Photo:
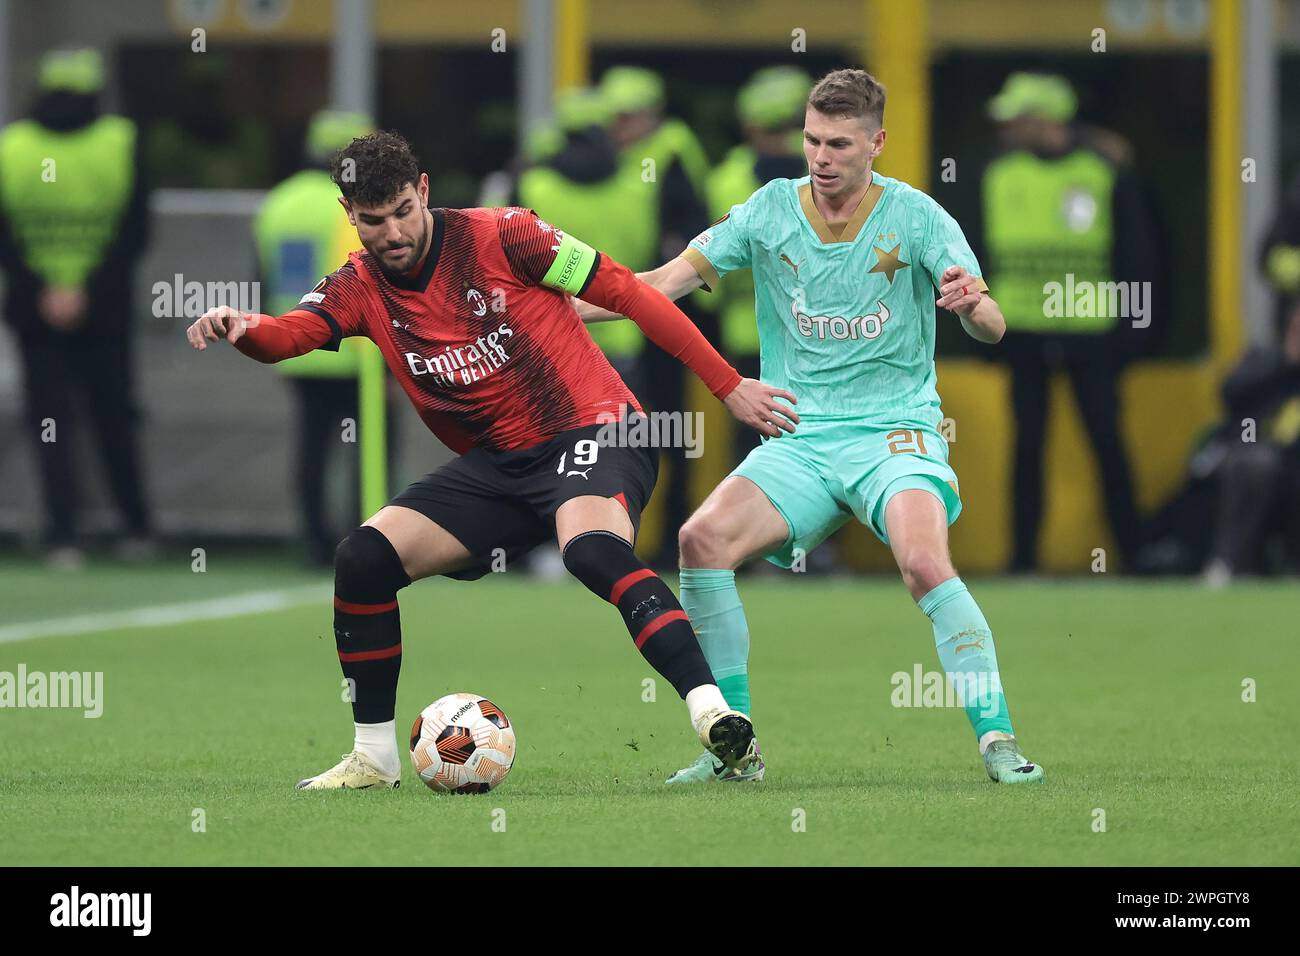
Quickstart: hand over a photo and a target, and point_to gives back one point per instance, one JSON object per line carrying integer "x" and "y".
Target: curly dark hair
{"x": 372, "y": 169}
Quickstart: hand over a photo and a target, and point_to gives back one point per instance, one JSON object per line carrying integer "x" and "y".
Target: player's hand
{"x": 958, "y": 291}
{"x": 221, "y": 322}
{"x": 755, "y": 404}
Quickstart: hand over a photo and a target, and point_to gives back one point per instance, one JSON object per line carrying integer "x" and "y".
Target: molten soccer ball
{"x": 462, "y": 743}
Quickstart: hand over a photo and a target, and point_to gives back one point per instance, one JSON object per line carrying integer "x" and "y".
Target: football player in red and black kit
{"x": 470, "y": 308}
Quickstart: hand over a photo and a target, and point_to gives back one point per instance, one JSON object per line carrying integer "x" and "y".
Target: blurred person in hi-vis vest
{"x": 1070, "y": 249}
{"x": 73, "y": 223}
{"x": 574, "y": 183}
{"x": 771, "y": 110}
{"x": 302, "y": 234}
{"x": 660, "y": 154}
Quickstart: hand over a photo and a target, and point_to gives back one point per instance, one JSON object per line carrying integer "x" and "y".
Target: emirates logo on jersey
{"x": 459, "y": 365}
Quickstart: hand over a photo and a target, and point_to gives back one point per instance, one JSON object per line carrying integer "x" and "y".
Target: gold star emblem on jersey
{"x": 888, "y": 262}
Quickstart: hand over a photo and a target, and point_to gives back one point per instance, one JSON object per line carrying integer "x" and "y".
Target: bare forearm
{"x": 985, "y": 322}
{"x": 674, "y": 279}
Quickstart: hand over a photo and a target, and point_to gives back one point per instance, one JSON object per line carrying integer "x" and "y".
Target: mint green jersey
{"x": 845, "y": 323}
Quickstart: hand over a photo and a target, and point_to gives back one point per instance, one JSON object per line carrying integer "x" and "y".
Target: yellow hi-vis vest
{"x": 671, "y": 140}
{"x": 302, "y": 235}
{"x": 617, "y": 216}
{"x": 731, "y": 183}
{"x": 1048, "y": 228}
{"x": 64, "y": 193}
{"x": 647, "y": 161}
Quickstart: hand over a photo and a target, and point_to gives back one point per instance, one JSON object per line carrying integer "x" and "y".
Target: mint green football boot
{"x": 708, "y": 769}
{"x": 1006, "y": 764}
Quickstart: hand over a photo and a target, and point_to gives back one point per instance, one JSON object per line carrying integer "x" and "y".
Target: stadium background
{"x": 1172, "y": 81}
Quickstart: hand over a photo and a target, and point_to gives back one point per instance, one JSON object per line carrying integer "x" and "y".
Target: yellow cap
{"x": 1043, "y": 95}
{"x": 628, "y": 89}
{"x": 331, "y": 130}
{"x": 79, "y": 71}
{"x": 774, "y": 97}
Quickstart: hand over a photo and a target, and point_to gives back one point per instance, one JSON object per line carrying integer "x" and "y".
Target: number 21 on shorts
{"x": 906, "y": 441}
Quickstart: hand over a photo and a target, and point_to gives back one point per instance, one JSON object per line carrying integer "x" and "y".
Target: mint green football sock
{"x": 711, "y": 601}
{"x": 967, "y": 655}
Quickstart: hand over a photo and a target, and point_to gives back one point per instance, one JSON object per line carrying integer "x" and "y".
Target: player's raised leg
{"x": 917, "y": 524}
{"x": 595, "y": 535}
{"x": 375, "y": 561}
{"x": 736, "y": 522}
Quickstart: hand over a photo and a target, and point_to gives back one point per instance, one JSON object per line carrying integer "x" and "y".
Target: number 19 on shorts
{"x": 585, "y": 451}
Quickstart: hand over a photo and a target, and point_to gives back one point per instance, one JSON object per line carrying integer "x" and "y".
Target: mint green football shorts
{"x": 830, "y": 471}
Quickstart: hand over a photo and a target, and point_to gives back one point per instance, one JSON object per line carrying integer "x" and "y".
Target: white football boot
{"x": 353, "y": 772}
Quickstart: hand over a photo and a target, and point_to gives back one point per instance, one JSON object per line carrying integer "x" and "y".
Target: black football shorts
{"x": 507, "y": 500}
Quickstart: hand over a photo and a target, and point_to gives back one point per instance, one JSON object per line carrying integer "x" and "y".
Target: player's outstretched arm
{"x": 752, "y": 402}
{"x": 979, "y": 313}
{"x": 674, "y": 279}
{"x": 263, "y": 337}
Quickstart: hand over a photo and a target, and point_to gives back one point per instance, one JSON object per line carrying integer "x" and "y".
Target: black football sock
{"x": 367, "y": 627}
{"x": 609, "y": 568}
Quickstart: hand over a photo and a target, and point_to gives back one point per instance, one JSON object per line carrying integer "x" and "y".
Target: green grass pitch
{"x": 1130, "y": 694}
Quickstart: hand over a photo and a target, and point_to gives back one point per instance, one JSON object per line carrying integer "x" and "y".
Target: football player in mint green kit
{"x": 846, "y": 265}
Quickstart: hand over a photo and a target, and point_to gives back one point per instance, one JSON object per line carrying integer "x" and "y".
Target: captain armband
{"x": 574, "y": 265}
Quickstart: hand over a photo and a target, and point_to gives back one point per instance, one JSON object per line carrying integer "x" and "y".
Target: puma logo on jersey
{"x": 839, "y": 328}
{"x": 584, "y": 474}
{"x": 786, "y": 259}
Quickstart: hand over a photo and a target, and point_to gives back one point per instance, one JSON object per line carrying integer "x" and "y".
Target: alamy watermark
{"x": 1085, "y": 299}
{"x": 683, "y": 430}
{"x": 83, "y": 690}
{"x": 923, "y": 688}
{"x": 179, "y": 299}
{"x": 75, "y": 908}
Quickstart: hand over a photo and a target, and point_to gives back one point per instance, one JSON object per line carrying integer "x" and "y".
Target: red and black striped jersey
{"x": 489, "y": 356}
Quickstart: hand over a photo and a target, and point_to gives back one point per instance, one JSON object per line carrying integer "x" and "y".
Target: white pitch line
{"x": 159, "y": 615}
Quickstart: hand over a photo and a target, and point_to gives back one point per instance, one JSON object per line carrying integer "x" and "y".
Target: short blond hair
{"x": 849, "y": 94}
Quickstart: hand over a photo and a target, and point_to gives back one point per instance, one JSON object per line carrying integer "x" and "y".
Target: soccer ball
{"x": 462, "y": 743}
